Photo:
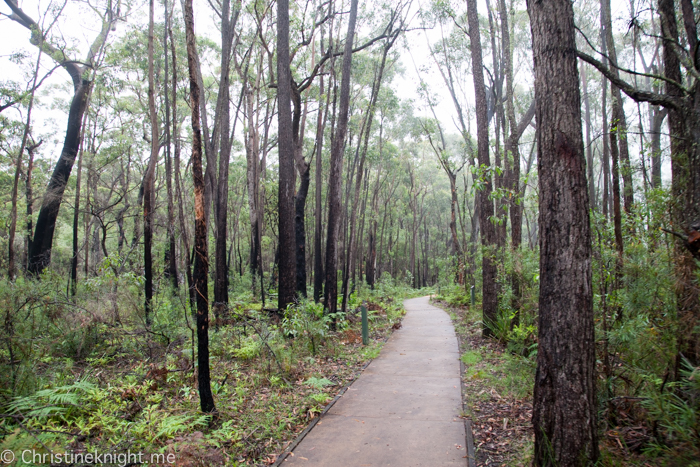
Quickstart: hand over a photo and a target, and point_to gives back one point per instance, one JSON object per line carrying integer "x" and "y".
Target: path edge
{"x": 300, "y": 437}
{"x": 469, "y": 435}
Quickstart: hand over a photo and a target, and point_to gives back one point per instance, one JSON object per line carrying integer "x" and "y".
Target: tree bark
{"x": 228, "y": 23}
{"x": 287, "y": 251}
{"x": 318, "y": 227}
{"x": 564, "y": 407}
{"x": 619, "y": 125}
{"x": 335, "y": 177}
{"x": 488, "y": 231}
{"x": 76, "y": 220}
{"x": 684, "y": 125}
{"x": 201, "y": 262}
{"x": 304, "y": 168}
{"x": 512, "y": 154}
{"x": 30, "y": 200}
{"x": 171, "y": 256}
{"x": 149, "y": 178}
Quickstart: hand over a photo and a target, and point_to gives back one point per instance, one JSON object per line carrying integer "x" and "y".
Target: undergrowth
{"x": 86, "y": 375}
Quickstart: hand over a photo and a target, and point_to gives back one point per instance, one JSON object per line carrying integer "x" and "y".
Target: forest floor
{"x": 497, "y": 393}
{"x": 111, "y": 386}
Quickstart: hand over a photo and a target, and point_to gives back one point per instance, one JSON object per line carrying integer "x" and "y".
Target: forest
{"x": 198, "y": 198}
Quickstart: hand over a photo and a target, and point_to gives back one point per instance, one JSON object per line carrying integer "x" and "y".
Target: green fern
{"x": 178, "y": 423}
{"x": 53, "y": 401}
{"x": 318, "y": 383}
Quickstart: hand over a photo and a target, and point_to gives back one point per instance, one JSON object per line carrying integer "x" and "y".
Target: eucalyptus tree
{"x": 680, "y": 98}
{"x": 80, "y": 72}
{"x": 149, "y": 177}
{"x": 486, "y": 212}
{"x": 201, "y": 262}
{"x": 287, "y": 250}
{"x": 335, "y": 180}
{"x": 396, "y": 27}
{"x": 18, "y": 169}
{"x": 564, "y": 407}
{"x": 229, "y": 19}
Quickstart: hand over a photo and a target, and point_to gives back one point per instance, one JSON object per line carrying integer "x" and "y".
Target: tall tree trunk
{"x": 564, "y": 407}
{"x": 201, "y": 262}
{"x": 615, "y": 143}
{"x": 589, "y": 146}
{"x": 228, "y": 23}
{"x": 318, "y": 227}
{"x": 618, "y": 111}
{"x": 76, "y": 220}
{"x": 40, "y": 253}
{"x": 299, "y": 218}
{"x": 658, "y": 117}
{"x": 685, "y": 183}
{"x": 607, "y": 201}
{"x": 287, "y": 253}
{"x": 512, "y": 153}
{"x": 304, "y": 168}
{"x": 488, "y": 231}
{"x": 376, "y": 85}
{"x": 335, "y": 177}
{"x": 171, "y": 256}
{"x": 252, "y": 179}
{"x": 149, "y": 178}
{"x": 178, "y": 181}
{"x": 30, "y": 201}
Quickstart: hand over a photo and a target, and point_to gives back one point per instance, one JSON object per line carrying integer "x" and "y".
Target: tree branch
{"x": 632, "y": 72}
{"x": 634, "y": 93}
{"x": 37, "y": 40}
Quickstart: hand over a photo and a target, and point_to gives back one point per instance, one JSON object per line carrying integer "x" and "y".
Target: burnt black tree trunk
{"x": 171, "y": 258}
{"x": 40, "y": 252}
{"x": 201, "y": 260}
{"x": 318, "y": 230}
{"x": 335, "y": 178}
{"x": 564, "y": 408}
{"x": 149, "y": 178}
{"x": 287, "y": 243}
{"x": 300, "y": 198}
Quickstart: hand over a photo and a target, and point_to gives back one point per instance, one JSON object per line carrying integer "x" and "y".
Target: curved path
{"x": 403, "y": 410}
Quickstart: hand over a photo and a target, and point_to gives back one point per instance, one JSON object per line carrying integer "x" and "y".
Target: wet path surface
{"x": 404, "y": 409}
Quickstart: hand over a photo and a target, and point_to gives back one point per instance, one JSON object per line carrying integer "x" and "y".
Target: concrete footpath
{"x": 403, "y": 410}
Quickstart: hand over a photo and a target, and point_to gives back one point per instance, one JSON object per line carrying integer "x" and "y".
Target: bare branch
{"x": 627, "y": 70}
{"x": 631, "y": 91}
